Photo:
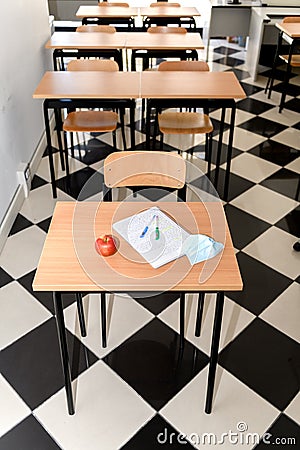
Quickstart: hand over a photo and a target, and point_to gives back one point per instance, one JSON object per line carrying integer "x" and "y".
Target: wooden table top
{"x": 169, "y": 11}
{"x": 219, "y": 85}
{"x": 69, "y": 261}
{"x": 153, "y": 41}
{"x": 115, "y": 85}
{"x": 292, "y": 29}
{"x": 165, "y": 84}
{"x": 73, "y": 39}
{"x": 132, "y": 40}
{"x": 106, "y": 11}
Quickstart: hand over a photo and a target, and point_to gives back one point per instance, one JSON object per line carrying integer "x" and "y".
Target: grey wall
{"x": 66, "y": 9}
{"x": 23, "y": 33}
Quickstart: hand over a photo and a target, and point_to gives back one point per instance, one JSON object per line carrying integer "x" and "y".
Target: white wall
{"x": 23, "y": 33}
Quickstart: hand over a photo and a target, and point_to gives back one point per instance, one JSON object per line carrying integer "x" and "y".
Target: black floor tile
{"x": 44, "y": 224}
{"x": 21, "y": 223}
{"x": 293, "y": 104}
{"x": 240, "y": 74}
{"x": 266, "y": 360}
{"x": 291, "y": 222}
{"x": 225, "y": 50}
{"x": 44, "y": 297}
{"x": 37, "y": 182}
{"x": 157, "y": 434}
{"x": 253, "y": 106}
{"x": 262, "y": 285}
{"x": 275, "y": 152}
{"x": 81, "y": 184}
{"x": 28, "y": 435}
{"x": 250, "y": 89}
{"x": 92, "y": 151}
{"x": 264, "y": 127}
{"x": 289, "y": 89}
{"x": 154, "y": 194}
{"x": 285, "y": 182}
{"x": 216, "y": 125}
{"x": 32, "y": 365}
{"x": 243, "y": 226}
{"x": 237, "y": 184}
{"x": 279, "y": 74}
{"x": 151, "y": 363}
{"x": 297, "y": 126}
{"x": 229, "y": 61}
{"x": 5, "y": 278}
{"x": 46, "y": 152}
{"x": 157, "y": 303}
{"x": 283, "y": 433}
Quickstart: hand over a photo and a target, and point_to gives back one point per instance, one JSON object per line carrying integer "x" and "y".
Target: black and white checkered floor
{"x": 132, "y": 395}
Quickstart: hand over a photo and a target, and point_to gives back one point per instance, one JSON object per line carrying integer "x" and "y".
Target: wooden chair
{"x": 93, "y": 121}
{"x": 167, "y": 30}
{"x": 167, "y": 4}
{"x": 185, "y": 21}
{"x": 143, "y": 169}
{"x": 291, "y": 60}
{"x": 96, "y": 28}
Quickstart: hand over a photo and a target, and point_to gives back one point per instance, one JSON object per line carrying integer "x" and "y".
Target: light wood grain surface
{"x": 97, "y": 11}
{"x": 89, "y": 85}
{"x": 292, "y": 29}
{"x": 69, "y": 261}
{"x": 151, "y": 41}
{"x": 64, "y": 40}
{"x": 221, "y": 85}
{"x": 169, "y": 11}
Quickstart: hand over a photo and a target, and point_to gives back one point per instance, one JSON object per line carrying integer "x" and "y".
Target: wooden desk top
{"x": 113, "y": 85}
{"x": 291, "y": 29}
{"x": 220, "y": 85}
{"x": 65, "y": 40}
{"x": 69, "y": 261}
{"x": 153, "y": 41}
{"x": 103, "y": 11}
{"x": 169, "y": 11}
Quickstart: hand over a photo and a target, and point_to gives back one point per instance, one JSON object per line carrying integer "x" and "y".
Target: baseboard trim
{"x": 19, "y": 196}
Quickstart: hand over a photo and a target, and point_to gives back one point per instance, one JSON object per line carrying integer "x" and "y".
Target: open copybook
{"x": 159, "y": 239}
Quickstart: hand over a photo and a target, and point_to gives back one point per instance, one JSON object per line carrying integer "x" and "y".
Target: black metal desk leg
{"x": 286, "y": 78}
{"x": 229, "y": 152}
{"x": 62, "y": 338}
{"x": 220, "y": 144}
{"x": 214, "y": 351}
{"x": 49, "y": 146}
{"x": 103, "y": 319}
{"x": 132, "y": 125}
{"x": 181, "y": 318}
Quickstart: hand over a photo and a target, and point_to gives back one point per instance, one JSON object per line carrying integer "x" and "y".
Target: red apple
{"x": 105, "y": 245}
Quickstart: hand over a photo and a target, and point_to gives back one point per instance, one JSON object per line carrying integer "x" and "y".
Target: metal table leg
{"x": 229, "y": 152}
{"x": 214, "y": 351}
{"x": 49, "y": 146}
{"x": 62, "y": 338}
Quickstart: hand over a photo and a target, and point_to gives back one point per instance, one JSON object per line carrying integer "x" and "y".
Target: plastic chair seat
{"x": 184, "y": 123}
{"x": 89, "y": 121}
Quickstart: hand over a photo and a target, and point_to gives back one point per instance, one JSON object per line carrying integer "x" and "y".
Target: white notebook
{"x": 156, "y": 250}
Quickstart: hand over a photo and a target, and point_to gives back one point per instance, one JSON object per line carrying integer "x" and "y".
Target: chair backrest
{"x": 158, "y": 4}
{"x": 291, "y": 19}
{"x": 124, "y": 5}
{"x": 105, "y": 65}
{"x": 96, "y": 28}
{"x": 163, "y": 29}
{"x": 144, "y": 168}
{"x": 189, "y": 66}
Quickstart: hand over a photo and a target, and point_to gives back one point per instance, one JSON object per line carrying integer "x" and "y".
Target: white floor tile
{"x": 251, "y": 167}
{"x": 240, "y": 116}
{"x": 40, "y": 205}
{"x": 43, "y": 170}
{"x": 264, "y": 203}
{"x": 243, "y": 139}
{"x": 290, "y": 136}
{"x": 293, "y": 410}
{"x": 20, "y": 313}
{"x": 108, "y": 412}
{"x": 259, "y": 82}
{"x": 12, "y": 408}
{"x": 275, "y": 248}
{"x": 294, "y": 165}
{"x": 286, "y": 117}
{"x": 107, "y": 138}
{"x": 274, "y": 100}
{"x": 235, "y": 319}
{"x": 284, "y": 312}
{"x": 124, "y": 317}
{"x": 235, "y": 407}
{"x": 22, "y": 251}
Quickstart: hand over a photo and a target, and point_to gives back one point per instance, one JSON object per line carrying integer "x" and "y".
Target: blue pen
{"x": 147, "y": 227}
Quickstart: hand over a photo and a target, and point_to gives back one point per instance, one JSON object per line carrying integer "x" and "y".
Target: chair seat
{"x": 91, "y": 121}
{"x": 295, "y": 61}
{"x": 184, "y": 123}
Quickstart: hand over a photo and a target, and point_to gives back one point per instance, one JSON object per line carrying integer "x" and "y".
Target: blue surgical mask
{"x": 198, "y": 247}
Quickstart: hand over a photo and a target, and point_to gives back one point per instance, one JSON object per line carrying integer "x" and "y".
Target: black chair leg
{"x": 122, "y": 113}
{"x": 181, "y": 319}
{"x": 114, "y": 139}
{"x": 199, "y": 315}
{"x": 103, "y": 319}
{"x": 80, "y": 314}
